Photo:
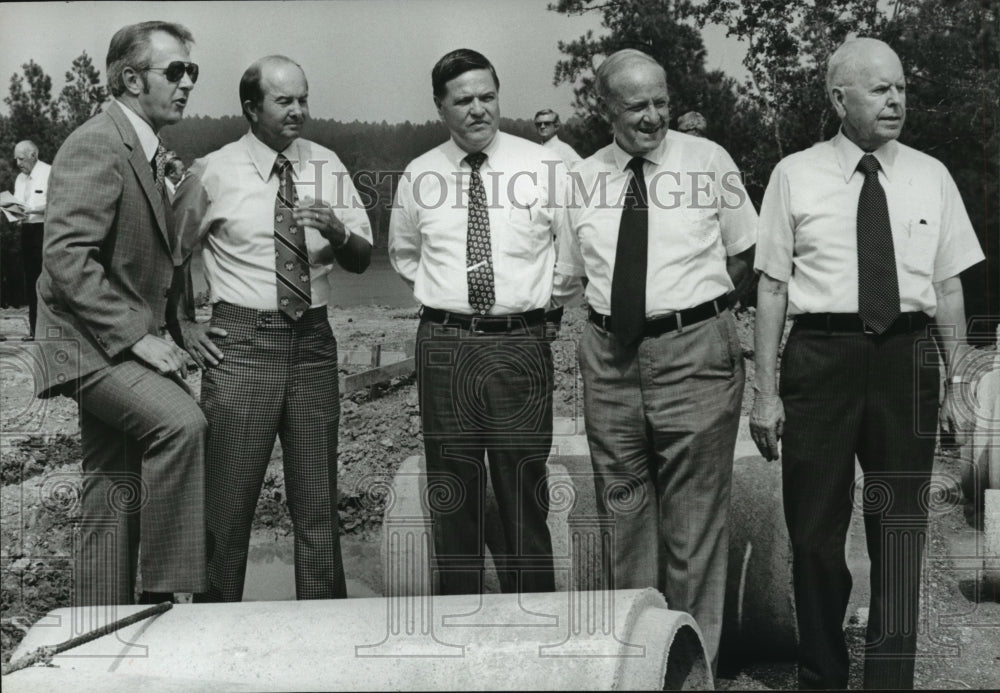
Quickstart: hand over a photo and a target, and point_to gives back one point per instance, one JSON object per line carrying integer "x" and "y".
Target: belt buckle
{"x": 474, "y": 325}
{"x": 865, "y": 329}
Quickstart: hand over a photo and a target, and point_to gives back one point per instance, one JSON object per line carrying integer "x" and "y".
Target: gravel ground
{"x": 40, "y": 466}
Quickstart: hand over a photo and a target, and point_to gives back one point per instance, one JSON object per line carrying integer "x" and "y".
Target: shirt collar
{"x": 263, "y": 157}
{"x": 655, "y": 156}
{"x": 456, "y": 155}
{"x": 143, "y": 130}
{"x": 849, "y": 154}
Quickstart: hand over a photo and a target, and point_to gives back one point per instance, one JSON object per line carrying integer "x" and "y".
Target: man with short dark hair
{"x": 862, "y": 240}
{"x": 663, "y": 230}
{"x": 102, "y": 296}
{"x": 472, "y": 233}
{"x": 547, "y": 123}
{"x": 272, "y": 212}
{"x": 31, "y": 189}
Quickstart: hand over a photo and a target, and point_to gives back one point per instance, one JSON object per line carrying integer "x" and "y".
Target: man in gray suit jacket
{"x": 102, "y": 302}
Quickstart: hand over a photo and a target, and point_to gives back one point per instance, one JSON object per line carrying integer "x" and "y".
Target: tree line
{"x": 949, "y": 48}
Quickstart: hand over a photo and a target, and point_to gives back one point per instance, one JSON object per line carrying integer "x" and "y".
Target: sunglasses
{"x": 544, "y": 123}
{"x": 174, "y": 72}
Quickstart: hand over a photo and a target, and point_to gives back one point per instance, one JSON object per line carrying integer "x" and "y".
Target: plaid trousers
{"x": 276, "y": 378}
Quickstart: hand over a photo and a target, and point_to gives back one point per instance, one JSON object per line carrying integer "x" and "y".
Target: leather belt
{"x": 672, "y": 322}
{"x": 852, "y": 323}
{"x": 485, "y": 324}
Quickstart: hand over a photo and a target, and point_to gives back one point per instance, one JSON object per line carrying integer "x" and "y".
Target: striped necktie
{"x": 290, "y": 257}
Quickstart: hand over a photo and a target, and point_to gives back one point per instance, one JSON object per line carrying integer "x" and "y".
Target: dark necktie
{"x": 628, "y": 284}
{"x": 290, "y": 257}
{"x": 478, "y": 252}
{"x": 878, "y": 286}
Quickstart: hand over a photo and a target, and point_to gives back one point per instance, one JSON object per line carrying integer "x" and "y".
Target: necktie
{"x": 628, "y": 283}
{"x": 478, "y": 252}
{"x": 159, "y": 164}
{"x": 290, "y": 257}
{"x": 878, "y": 286}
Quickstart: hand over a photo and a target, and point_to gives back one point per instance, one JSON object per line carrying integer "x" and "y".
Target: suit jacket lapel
{"x": 143, "y": 171}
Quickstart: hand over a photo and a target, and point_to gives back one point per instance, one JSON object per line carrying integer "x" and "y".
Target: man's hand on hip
{"x": 198, "y": 341}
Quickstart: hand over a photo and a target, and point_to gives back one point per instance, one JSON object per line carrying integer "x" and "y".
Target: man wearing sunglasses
{"x": 547, "y": 124}
{"x": 102, "y": 296}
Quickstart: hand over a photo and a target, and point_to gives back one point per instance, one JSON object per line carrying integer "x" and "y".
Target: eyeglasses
{"x": 174, "y": 72}
{"x": 544, "y": 123}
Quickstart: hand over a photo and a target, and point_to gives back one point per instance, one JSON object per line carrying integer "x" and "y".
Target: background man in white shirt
{"x": 31, "y": 189}
{"x": 472, "y": 232}
{"x": 547, "y": 123}
{"x": 663, "y": 230}
{"x": 272, "y": 212}
{"x": 861, "y": 241}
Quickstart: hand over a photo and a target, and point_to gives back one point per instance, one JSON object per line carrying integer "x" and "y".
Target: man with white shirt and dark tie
{"x": 663, "y": 230}
{"x": 273, "y": 212}
{"x": 30, "y": 189}
{"x": 472, "y": 233}
{"x": 862, "y": 240}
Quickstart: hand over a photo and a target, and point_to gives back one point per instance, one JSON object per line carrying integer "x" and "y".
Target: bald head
{"x": 865, "y": 83}
{"x": 25, "y": 155}
{"x": 275, "y": 98}
{"x": 632, "y": 94}
{"x": 622, "y": 63}
{"x": 250, "y": 87}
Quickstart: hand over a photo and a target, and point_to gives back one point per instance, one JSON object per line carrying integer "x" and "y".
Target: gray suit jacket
{"x": 107, "y": 258}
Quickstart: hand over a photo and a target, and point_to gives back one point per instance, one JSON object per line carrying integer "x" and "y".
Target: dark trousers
{"x": 487, "y": 395}
{"x": 31, "y": 256}
{"x": 276, "y": 379}
{"x": 143, "y": 440}
{"x": 848, "y": 394}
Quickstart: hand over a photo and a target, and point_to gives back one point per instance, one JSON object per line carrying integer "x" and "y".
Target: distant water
{"x": 378, "y": 286}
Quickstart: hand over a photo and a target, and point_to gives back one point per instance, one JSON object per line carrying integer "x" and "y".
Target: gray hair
{"x": 844, "y": 61}
{"x": 615, "y": 63}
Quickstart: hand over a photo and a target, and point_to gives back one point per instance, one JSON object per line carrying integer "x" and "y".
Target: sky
{"x": 367, "y": 60}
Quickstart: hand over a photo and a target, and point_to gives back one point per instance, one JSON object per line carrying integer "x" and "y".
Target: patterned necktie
{"x": 478, "y": 253}
{"x": 878, "y": 286}
{"x": 290, "y": 257}
{"x": 628, "y": 284}
{"x": 159, "y": 164}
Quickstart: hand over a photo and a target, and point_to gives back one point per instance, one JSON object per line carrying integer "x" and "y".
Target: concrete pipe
{"x": 759, "y": 620}
{"x": 577, "y": 640}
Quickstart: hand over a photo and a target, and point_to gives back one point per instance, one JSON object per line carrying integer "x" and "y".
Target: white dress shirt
{"x": 808, "y": 226}
{"x": 699, "y": 214}
{"x": 148, "y": 139}
{"x": 227, "y": 202}
{"x": 32, "y": 189}
{"x": 430, "y": 217}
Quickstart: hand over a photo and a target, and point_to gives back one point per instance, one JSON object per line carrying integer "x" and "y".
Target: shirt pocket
{"x": 529, "y": 230}
{"x": 920, "y": 241}
{"x": 700, "y": 227}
